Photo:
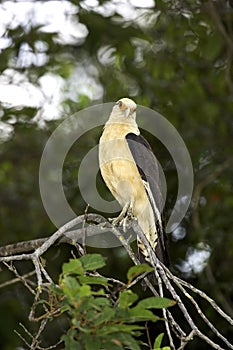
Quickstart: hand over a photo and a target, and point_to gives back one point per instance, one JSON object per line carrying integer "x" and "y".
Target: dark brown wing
{"x": 148, "y": 168}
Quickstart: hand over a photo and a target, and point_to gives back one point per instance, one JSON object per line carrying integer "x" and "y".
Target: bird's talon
{"x": 114, "y": 221}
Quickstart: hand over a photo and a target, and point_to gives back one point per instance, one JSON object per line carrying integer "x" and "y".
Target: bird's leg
{"x": 130, "y": 211}
{"x": 127, "y": 217}
{"x": 122, "y": 215}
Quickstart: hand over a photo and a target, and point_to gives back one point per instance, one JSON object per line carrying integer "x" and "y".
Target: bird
{"x": 129, "y": 169}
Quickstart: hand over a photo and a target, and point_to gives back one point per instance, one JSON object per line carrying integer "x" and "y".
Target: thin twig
{"x": 219, "y": 294}
{"x": 204, "y": 296}
{"x": 211, "y": 326}
{"x": 27, "y": 332}
{"x": 148, "y": 336}
{"x": 18, "y": 278}
{"x": 84, "y": 229}
{"x": 164, "y": 310}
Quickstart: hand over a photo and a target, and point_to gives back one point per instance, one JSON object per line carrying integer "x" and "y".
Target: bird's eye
{"x": 119, "y": 103}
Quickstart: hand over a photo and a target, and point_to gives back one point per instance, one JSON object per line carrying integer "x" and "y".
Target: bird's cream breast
{"x": 113, "y": 144}
{"x": 118, "y": 167}
{"x": 114, "y": 130}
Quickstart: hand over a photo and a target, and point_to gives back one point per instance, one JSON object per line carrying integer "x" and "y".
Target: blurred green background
{"x": 57, "y": 57}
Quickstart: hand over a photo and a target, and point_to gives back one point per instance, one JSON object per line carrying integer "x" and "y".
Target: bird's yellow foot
{"x": 124, "y": 218}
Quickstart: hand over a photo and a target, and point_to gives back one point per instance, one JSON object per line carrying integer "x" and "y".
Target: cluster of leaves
{"x": 101, "y": 320}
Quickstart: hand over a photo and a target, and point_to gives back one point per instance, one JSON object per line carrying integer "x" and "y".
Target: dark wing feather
{"x": 148, "y": 168}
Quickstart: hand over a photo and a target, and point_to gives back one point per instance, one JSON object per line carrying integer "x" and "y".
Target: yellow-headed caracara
{"x": 130, "y": 171}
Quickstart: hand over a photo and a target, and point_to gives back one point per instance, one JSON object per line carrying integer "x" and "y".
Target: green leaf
{"x": 70, "y": 286}
{"x": 127, "y": 298}
{"x": 92, "y": 342}
{"x": 127, "y": 340}
{"x": 74, "y": 266}
{"x": 112, "y": 343}
{"x": 103, "y": 317}
{"x": 108, "y": 329}
{"x": 70, "y": 343}
{"x": 137, "y": 270}
{"x": 101, "y": 302}
{"x": 156, "y": 303}
{"x": 84, "y": 291}
{"x": 92, "y": 262}
{"x": 158, "y": 341}
{"x": 99, "y": 292}
{"x": 93, "y": 280}
{"x": 138, "y": 314}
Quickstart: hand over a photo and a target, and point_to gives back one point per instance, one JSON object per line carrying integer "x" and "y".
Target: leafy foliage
{"x": 158, "y": 342}
{"x": 103, "y": 320}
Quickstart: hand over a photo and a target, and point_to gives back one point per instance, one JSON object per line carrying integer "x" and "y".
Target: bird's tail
{"x": 155, "y": 233}
{"x": 158, "y": 244}
{"x": 156, "y": 236}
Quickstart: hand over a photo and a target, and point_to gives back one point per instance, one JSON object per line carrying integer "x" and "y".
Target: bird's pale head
{"x": 125, "y": 107}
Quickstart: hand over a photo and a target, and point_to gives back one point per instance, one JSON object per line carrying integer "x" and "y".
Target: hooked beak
{"x": 127, "y": 112}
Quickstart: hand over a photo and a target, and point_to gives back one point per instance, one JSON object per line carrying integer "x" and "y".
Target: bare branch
{"x": 204, "y": 296}
{"x": 18, "y": 278}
